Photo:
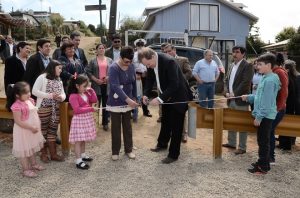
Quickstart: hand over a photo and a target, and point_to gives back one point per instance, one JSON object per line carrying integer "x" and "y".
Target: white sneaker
{"x": 131, "y": 155}
{"x": 115, "y": 157}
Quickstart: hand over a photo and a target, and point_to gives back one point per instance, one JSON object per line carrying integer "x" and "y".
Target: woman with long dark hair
{"x": 48, "y": 89}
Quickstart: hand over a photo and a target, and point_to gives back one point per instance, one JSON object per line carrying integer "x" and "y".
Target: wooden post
{"x": 64, "y": 127}
{"x": 218, "y": 133}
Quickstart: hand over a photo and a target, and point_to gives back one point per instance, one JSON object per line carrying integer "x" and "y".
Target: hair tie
{"x": 75, "y": 75}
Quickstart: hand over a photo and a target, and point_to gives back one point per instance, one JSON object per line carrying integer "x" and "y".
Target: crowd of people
{"x": 120, "y": 79}
{"x": 266, "y": 85}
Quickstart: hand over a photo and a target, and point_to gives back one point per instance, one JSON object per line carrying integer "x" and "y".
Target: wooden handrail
{"x": 216, "y": 119}
{"x": 230, "y": 119}
{"x": 3, "y": 111}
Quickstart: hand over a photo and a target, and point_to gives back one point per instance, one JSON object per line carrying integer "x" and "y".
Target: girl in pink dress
{"x": 83, "y": 126}
{"x": 27, "y": 135}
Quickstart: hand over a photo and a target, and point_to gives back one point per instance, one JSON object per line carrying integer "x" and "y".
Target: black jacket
{"x": 172, "y": 82}
{"x": 5, "y": 50}
{"x": 13, "y": 71}
{"x": 293, "y": 99}
{"x": 242, "y": 81}
{"x": 34, "y": 68}
{"x": 82, "y": 57}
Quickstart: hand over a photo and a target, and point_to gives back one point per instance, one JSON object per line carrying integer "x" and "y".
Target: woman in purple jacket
{"x": 121, "y": 100}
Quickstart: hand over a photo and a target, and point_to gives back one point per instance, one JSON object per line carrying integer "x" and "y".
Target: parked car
{"x": 195, "y": 54}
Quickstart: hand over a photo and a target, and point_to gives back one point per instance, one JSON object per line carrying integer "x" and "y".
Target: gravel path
{"x": 195, "y": 174}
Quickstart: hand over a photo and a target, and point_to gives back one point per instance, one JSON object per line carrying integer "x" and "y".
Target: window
{"x": 221, "y": 46}
{"x": 204, "y": 17}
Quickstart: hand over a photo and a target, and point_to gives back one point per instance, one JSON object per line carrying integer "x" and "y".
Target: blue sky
{"x": 273, "y": 15}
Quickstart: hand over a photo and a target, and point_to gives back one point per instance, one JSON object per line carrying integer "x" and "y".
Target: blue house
{"x": 215, "y": 24}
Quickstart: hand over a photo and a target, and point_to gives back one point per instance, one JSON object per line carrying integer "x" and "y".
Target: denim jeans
{"x": 277, "y": 120}
{"x": 242, "y": 135}
{"x": 206, "y": 91}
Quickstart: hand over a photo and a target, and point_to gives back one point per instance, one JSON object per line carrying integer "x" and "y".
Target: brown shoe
{"x": 44, "y": 154}
{"x": 53, "y": 154}
{"x": 239, "y": 152}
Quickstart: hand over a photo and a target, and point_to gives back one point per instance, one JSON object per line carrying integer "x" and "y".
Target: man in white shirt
{"x": 237, "y": 83}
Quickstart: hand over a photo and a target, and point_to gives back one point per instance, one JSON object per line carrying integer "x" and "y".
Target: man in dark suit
{"x": 7, "y": 47}
{"x": 237, "y": 83}
{"x": 38, "y": 62}
{"x": 114, "y": 51}
{"x": 165, "y": 71}
{"x": 79, "y": 53}
{"x": 187, "y": 72}
{"x": 15, "y": 65}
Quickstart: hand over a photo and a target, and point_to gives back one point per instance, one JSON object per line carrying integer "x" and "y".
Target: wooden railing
{"x": 229, "y": 119}
{"x": 3, "y": 112}
{"x": 216, "y": 119}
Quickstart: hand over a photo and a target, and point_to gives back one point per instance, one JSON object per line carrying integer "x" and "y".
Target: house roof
{"x": 148, "y": 10}
{"x": 21, "y": 14}
{"x": 235, "y": 6}
{"x": 277, "y": 45}
{"x": 9, "y": 20}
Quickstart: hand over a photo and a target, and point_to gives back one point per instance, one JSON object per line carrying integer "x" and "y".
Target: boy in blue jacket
{"x": 264, "y": 111}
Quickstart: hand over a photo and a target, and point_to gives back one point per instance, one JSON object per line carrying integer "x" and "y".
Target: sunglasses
{"x": 117, "y": 41}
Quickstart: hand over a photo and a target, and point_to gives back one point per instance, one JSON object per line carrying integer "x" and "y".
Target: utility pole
{"x": 99, "y": 7}
{"x": 112, "y": 18}
{"x": 100, "y": 12}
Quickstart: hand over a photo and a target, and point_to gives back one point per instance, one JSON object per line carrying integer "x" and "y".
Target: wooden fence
{"x": 229, "y": 119}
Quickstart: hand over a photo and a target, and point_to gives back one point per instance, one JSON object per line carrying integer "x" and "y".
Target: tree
{"x": 82, "y": 25}
{"x": 83, "y": 28}
{"x": 294, "y": 45}
{"x": 134, "y": 24}
{"x": 254, "y": 43}
{"x": 293, "y": 48}
{"x": 92, "y": 28}
{"x": 286, "y": 33}
{"x": 100, "y": 30}
{"x": 56, "y": 21}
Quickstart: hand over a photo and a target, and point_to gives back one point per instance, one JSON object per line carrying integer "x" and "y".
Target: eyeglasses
{"x": 117, "y": 41}
{"x": 126, "y": 61}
